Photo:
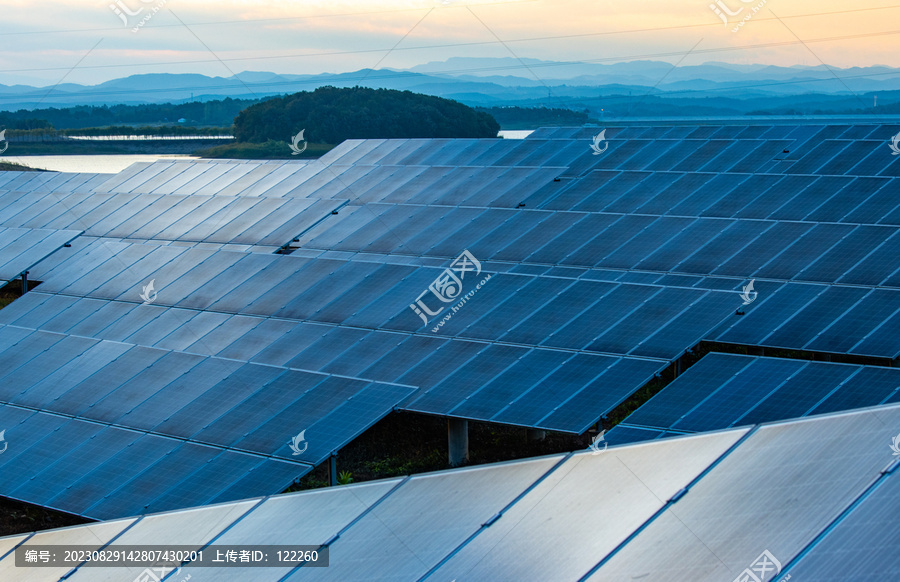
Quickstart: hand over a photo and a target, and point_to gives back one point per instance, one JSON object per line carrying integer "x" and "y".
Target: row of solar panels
{"x": 756, "y": 196}
{"x": 820, "y": 318}
{"x": 802, "y": 133}
{"x": 598, "y": 316}
{"x": 493, "y": 186}
{"x": 725, "y": 390}
{"x": 783, "y": 250}
{"x": 323, "y": 179}
{"x": 217, "y": 219}
{"x": 227, "y": 177}
{"x": 59, "y": 182}
{"x": 365, "y": 296}
{"x": 200, "y": 425}
{"x": 777, "y": 156}
{"x": 807, "y": 499}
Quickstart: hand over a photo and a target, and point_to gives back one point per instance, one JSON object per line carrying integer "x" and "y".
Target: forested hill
{"x": 331, "y": 115}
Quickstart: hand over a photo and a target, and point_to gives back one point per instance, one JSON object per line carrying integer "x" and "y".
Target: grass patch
{"x": 406, "y": 443}
{"x": 270, "y": 150}
{"x": 18, "y": 518}
{"x": 14, "y": 167}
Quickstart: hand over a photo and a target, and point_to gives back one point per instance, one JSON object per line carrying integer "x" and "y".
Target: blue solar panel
{"x": 615, "y": 306}
{"x": 611, "y": 388}
{"x": 760, "y": 251}
{"x": 769, "y": 312}
{"x": 800, "y": 393}
{"x": 856, "y": 323}
{"x": 725, "y": 406}
{"x": 860, "y": 545}
{"x": 632, "y": 190}
{"x": 691, "y": 388}
{"x": 448, "y": 391}
{"x": 815, "y": 317}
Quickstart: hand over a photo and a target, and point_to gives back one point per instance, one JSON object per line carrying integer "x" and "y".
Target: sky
{"x": 89, "y": 42}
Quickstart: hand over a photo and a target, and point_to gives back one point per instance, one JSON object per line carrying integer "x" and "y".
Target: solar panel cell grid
{"x": 217, "y": 400}
{"x": 644, "y": 243}
{"x": 619, "y": 232}
{"x": 36, "y": 357}
{"x": 780, "y": 304}
{"x": 682, "y": 245}
{"x": 883, "y": 341}
{"x": 788, "y": 263}
{"x": 614, "y": 385}
{"x": 132, "y": 496}
{"x": 603, "y": 315}
{"x": 32, "y": 436}
{"x": 691, "y": 388}
{"x": 816, "y": 316}
{"x": 657, "y": 195}
{"x": 563, "y": 243}
{"x": 276, "y": 431}
{"x": 595, "y": 190}
{"x": 646, "y": 318}
{"x": 739, "y": 395}
{"x": 461, "y": 383}
{"x": 761, "y": 250}
{"x": 518, "y": 379}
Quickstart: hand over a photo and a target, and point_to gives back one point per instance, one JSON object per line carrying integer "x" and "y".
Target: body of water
{"x": 515, "y": 133}
{"x": 103, "y": 164}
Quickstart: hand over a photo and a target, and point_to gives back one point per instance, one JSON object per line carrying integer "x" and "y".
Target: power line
{"x": 279, "y": 20}
{"x": 483, "y": 43}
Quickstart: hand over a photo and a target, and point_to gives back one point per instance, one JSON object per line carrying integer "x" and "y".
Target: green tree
{"x": 331, "y": 115}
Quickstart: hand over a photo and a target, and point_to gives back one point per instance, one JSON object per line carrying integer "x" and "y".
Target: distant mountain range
{"x": 501, "y": 82}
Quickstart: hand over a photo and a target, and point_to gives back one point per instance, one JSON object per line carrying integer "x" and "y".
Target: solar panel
{"x": 661, "y": 198}
{"x": 816, "y": 316}
{"x": 579, "y": 411}
{"x": 21, "y": 249}
{"x": 632, "y": 491}
{"x": 709, "y": 523}
{"x": 858, "y": 546}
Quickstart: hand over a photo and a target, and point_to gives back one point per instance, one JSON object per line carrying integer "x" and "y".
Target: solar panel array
{"x": 593, "y": 274}
{"x": 725, "y": 390}
{"x": 813, "y": 494}
{"x": 341, "y": 317}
